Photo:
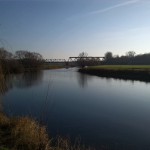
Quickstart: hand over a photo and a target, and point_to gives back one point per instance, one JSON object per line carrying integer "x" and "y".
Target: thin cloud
{"x": 114, "y": 6}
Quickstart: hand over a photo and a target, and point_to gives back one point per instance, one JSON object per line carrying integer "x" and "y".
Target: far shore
{"x": 49, "y": 67}
{"x": 125, "y": 72}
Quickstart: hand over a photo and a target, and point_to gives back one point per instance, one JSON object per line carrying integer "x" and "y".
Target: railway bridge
{"x": 76, "y": 61}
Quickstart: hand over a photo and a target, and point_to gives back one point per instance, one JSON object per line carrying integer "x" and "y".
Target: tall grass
{"x": 65, "y": 144}
{"x": 20, "y": 133}
{"x": 23, "y": 133}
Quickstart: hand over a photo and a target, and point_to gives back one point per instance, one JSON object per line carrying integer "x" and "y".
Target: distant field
{"x": 120, "y": 67}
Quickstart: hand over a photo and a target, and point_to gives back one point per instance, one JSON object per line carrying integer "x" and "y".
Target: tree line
{"x": 130, "y": 58}
{"x": 19, "y": 61}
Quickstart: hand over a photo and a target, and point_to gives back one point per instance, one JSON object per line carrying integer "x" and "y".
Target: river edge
{"x": 124, "y": 74}
{"x": 25, "y": 133}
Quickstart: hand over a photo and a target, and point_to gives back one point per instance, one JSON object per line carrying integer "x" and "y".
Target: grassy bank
{"x": 127, "y": 72}
{"x": 120, "y": 67}
{"x": 24, "y": 133}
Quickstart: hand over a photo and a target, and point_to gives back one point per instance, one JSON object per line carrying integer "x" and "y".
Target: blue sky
{"x": 63, "y": 28}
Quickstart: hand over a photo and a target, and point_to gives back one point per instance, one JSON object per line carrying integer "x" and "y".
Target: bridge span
{"x": 55, "y": 60}
{"x": 76, "y": 61}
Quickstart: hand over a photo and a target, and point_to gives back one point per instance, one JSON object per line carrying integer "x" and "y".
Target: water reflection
{"x": 3, "y": 89}
{"x": 126, "y": 77}
{"x": 28, "y": 79}
{"x": 24, "y": 80}
{"x": 6, "y": 84}
{"x": 83, "y": 80}
{"x": 103, "y": 111}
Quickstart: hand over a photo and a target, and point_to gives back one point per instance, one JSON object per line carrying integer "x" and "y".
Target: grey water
{"x": 102, "y": 112}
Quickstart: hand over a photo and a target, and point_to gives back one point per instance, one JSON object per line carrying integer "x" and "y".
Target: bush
{"x": 22, "y": 134}
{"x": 28, "y": 134}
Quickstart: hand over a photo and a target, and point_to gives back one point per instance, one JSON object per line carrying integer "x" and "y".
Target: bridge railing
{"x": 78, "y": 60}
{"x": 55, "y": 60}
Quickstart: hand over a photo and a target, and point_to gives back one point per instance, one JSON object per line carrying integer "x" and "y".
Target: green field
{"x": 120, "y": 67}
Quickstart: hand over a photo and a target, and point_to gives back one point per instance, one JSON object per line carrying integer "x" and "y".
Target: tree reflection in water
{"x": 4, "y": 83}
{"x": 23, "y": 80}
{"x": 28, "y": 79}
{"x": 83, "y": 79}
{"x": 2, "y": 87}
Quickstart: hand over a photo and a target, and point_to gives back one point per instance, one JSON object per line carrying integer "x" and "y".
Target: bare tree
{"x": 130, "y": 54}
{"x": 4, "y": 54}
{"x": 83, "y": 54}
{"x": 29, "y": 59}
{"x": 5, "y": 60}
{"x": 82, "y": 59}
{"x": 108, "y": 56}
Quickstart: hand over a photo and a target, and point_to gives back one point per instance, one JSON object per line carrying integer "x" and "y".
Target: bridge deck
{"x": 86, "y": 57}
{"x": 73, "y": 59}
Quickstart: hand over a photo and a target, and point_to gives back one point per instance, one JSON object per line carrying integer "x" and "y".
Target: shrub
{"x": 27, "y": 134}
{"x": 22, "y": 134}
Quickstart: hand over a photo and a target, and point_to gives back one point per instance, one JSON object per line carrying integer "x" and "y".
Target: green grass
{"x": 120, "y": 67}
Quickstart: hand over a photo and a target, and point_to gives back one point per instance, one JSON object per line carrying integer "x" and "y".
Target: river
{"x": 102, "y": 112}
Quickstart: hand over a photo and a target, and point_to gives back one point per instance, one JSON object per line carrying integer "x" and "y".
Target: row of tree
{"x": 19, "y": 61}
{"x": 129, "y": 59}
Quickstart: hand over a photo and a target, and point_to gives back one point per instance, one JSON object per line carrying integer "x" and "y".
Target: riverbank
{"x": 49, "y": 67}
{"x": 24, "y": 133}
{"x": 126, "y": 72}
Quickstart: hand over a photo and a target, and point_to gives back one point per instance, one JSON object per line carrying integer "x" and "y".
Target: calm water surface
{"x": 109, "y": 112}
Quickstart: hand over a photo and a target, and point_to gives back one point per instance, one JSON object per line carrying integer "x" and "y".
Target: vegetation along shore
{"x": 24, "y": 133}
{"x": 126, "y": 72}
